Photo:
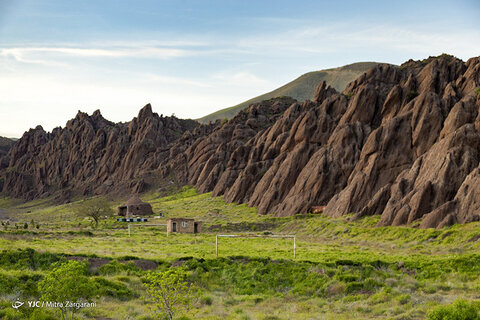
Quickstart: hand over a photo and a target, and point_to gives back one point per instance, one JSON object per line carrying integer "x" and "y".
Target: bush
{"x": 28, "y": 259}
{"x": 206, "y": 300}
{"x": 68, "y": 281}
{"x": 25, "y": 284}
{"x": 459, "y": 310}
{"x": 169, "y": 292}
{"x": 412, "y": 95}
{"x": 113, "y": 289}
{"x": 404, "y": 298}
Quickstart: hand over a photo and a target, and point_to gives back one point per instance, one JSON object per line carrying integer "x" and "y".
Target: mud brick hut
{"x": 183, "y": 225}
{"x": 135, "y": 207}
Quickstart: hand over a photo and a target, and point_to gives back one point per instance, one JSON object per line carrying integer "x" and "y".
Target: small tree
{"x": 68, "y": 281}
{"x": 95, "y": 208}
{"x": 169, "y": 293}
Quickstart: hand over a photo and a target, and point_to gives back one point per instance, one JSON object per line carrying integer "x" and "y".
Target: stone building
{"x": 183, "y": 225}
{"x": 135, "y": 207}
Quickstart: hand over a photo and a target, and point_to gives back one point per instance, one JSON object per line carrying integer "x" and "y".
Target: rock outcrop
{"x": 91, "y": 155}
{"x": 400, "y": 142}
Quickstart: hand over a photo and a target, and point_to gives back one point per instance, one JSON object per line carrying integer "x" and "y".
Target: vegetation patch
{"x": 341, "y": 267}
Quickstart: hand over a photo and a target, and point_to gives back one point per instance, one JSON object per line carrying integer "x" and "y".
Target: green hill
{"x": 6, "y": 142}
{"x": 5, "y": 145}
{"x": 301, "y": 88}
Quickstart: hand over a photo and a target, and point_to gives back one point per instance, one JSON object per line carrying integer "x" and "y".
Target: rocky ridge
{"x": 90, "y": 155}
{"x": 401, "y": 142}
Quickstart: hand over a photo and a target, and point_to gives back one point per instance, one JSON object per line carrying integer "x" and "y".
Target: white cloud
{"x": 31, "y": 54}
{"x": 383, "y": 39}
{"x": 46, "y": 83}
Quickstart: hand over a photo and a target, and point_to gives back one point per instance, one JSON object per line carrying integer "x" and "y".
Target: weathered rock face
{"x": 90, "y": 155}
{"x": 212, "y": 160}
{"x": 401, "y": 142}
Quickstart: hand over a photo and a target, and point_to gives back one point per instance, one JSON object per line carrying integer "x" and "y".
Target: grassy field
{"x": 342, "y": 270}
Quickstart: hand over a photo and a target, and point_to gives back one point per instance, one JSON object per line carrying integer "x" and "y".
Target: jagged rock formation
{"x": 91, "y": 155}
{"x": 401, "y": 142}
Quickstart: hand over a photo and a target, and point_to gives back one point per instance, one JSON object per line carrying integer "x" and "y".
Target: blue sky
{"x": 191, "y": 58}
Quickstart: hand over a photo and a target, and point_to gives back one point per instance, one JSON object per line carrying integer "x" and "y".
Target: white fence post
{"x": 294, "y": 247}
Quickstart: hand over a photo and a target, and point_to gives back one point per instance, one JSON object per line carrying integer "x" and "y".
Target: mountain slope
{"x": 90, "y": 155}
{"x": 402, "y": 142}
{"x": 301, "y": 88}
{"x": 5, "y": 145}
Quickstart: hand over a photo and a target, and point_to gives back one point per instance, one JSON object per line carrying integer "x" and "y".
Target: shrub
{"x": 68, "y": 281}
{"x": 404, "y": 298}
{"x": 115, "y": 267}
{"x": 206, "y": 300}
{"x": 336, "y": 288}
{"x": 8, "y": 283}
{"x": 459, "y": 310}
{"x": 169, "y": 292}
{"x": 353, "y": 287}
{"x": 28, "y": 259}
{"x": 25, "y": 284}
{"x": 113, "y": 289}
{"x": 412, "y": 95}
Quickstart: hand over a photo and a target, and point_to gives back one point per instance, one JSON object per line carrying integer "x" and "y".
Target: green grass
{"x": 343, "y": 269}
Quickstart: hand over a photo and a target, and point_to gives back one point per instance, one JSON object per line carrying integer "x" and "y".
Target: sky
{"x": 194, "y": 57}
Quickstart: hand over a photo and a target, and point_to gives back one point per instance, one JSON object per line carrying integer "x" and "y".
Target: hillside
{"x": 401, "y": 142}
{"x": 5, "y": 145}
{"x": 301, "y": 88}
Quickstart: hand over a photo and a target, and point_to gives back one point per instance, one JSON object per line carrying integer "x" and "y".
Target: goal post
{"x": 291, "y": 236}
